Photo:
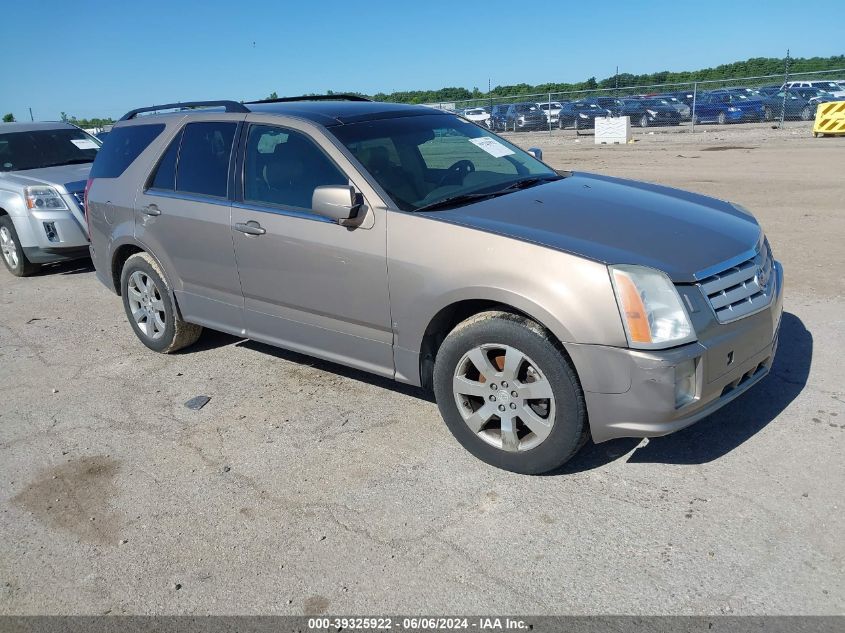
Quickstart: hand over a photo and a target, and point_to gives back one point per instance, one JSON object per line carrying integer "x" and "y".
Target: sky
{"x": 91, "y": 58}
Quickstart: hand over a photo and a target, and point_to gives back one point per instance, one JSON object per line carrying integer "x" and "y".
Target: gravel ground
{"x": 305, "y": 487}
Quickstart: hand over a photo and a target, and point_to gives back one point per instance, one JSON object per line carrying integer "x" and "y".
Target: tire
{"x": 560, "y": 420}
{"x": 722, "y": 119}
{"x": 170, "y": 333}
{"x": 12, "y": 253}
{"x": 576, "y": 124}
{"x": 806, "y": 113}
{"x": 644, "y": 121}
{"x": 768, "y": 114}
{"x": 695, "y": 120}
{"x": 560, "y": 123}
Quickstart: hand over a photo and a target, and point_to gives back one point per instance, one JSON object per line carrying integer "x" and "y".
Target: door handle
{"x": 151, "y": 209}
{"x": 250, "y": 228}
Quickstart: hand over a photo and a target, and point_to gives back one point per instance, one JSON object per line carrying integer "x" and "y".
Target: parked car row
{"x": 796, "y": 100}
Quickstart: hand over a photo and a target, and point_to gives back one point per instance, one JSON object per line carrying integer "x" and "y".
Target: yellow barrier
{"x": 830, "y": 119}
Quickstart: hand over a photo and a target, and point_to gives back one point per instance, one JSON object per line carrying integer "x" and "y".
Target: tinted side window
{"x": 204, "y": 158}
{"x": 121, "y": 147}
{"x": 165, "y": 174}
{"x": 284, "y": 167}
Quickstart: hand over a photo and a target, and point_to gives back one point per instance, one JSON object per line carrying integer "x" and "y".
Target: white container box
{"x": 613, "y": 129}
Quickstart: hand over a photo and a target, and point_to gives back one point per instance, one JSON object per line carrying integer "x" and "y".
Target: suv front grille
{"x": 742, "y": 289}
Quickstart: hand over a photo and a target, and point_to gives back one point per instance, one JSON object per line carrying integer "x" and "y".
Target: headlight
{"x": 733, "y": 109}
{"x": 583, "y": 116}
{"x": 43, "y": 197}
{"x": 652, "y": 112}
{"x": 651, "y": 308}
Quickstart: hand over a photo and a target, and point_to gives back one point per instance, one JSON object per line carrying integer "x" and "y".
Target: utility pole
{"x": 785, "y": 79}
{"x": 489, "y": 89}
{"x": 31, "y": 118}
{"x": 616, "y": 83}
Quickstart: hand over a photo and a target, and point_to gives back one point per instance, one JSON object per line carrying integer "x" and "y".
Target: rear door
{"x": 308, "y": 283}
{"x": 183, "y": 216}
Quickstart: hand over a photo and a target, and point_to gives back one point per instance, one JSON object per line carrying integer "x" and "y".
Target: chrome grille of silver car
{"x": 742, "y": 289}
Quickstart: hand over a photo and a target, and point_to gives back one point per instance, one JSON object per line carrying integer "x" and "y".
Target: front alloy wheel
{"x": 503, "y": 397}
{"x": 11, "y": 250}
{"x": 509, "y": 394}
{"x": 8, "y": 247}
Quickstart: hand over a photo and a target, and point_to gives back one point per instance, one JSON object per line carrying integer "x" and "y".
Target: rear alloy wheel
{"x": 644, "y": 120}
{"x": 10, "y": 248}
{"x": 722, "y": 118}
{"x": 575, "y": 123}
{"x": 150, "y": 308}
{"x": 806, "y": 113}
{"x": 509, "y": 395}
{"x": 768, "y": 115}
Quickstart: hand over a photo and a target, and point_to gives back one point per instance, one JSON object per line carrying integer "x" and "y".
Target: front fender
{"x": 434, "y": 264}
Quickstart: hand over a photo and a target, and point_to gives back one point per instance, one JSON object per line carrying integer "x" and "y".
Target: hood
{"x": 747, "y": 104}
{"x": 616, "y": 221}
{"x": 68, "y": 177}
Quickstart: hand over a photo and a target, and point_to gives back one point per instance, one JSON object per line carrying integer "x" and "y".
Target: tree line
{"x": 754, "y": 67}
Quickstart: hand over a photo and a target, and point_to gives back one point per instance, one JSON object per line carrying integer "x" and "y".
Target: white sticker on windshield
{"x": 491, "y": 146}
{"x": 84, "y": 143}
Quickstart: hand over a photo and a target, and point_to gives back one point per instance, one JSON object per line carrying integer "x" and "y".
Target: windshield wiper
{"x": 456, "y": 201}
{"x": 73, "y": 161}
{"x": 467, "y": 198}
{"x": 524, "y": 183}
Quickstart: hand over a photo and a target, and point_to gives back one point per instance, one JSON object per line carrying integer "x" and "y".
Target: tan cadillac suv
{"x": 541, "y": 308}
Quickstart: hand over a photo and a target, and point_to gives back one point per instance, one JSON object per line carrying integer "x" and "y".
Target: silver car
{"x": 43, "y": 171}
{"x": 541, "y": 308}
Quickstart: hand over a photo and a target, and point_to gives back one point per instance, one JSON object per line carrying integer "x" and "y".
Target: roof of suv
{"x": 339, "y": 112}
{"x": 331, "y": 113}
{"x": 30, "y": 127}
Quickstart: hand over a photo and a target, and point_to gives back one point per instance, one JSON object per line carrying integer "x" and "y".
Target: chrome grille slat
{"x": 731, "y": 277}
{"x": 736, "y": 291}
{"x": 739, "y": 293}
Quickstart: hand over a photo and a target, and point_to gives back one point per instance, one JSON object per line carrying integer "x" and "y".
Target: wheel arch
{"x": 449, "y": 316}
{"x": 121, "y": 253}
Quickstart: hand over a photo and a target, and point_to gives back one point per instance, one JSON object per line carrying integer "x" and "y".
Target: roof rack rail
{"x": 337, "y": 97}
{"x": 231, "y": 106}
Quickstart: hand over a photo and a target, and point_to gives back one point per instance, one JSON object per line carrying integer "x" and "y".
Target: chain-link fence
{"x": 770, "y": 99}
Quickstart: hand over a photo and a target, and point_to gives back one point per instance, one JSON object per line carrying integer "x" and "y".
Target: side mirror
{"x": 336, "y": 202}
{"x": 536, "y": 152}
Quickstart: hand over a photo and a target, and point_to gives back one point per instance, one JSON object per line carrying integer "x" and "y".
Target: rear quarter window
{"x": 121, "y": 147}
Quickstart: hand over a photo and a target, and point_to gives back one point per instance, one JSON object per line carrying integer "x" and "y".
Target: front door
{"x": 308, "y": 283}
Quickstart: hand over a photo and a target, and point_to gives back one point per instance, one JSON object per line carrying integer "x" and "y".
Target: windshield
{"x": 421, "y": 160}
{"x": 46, "y": 148}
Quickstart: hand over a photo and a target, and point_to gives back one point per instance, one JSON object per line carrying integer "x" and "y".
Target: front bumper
{"x": 744, "y": 115}
{"x": 631, "y": 393}
{"x": 51, "y": 235}
{"x": 532, "y": 124}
